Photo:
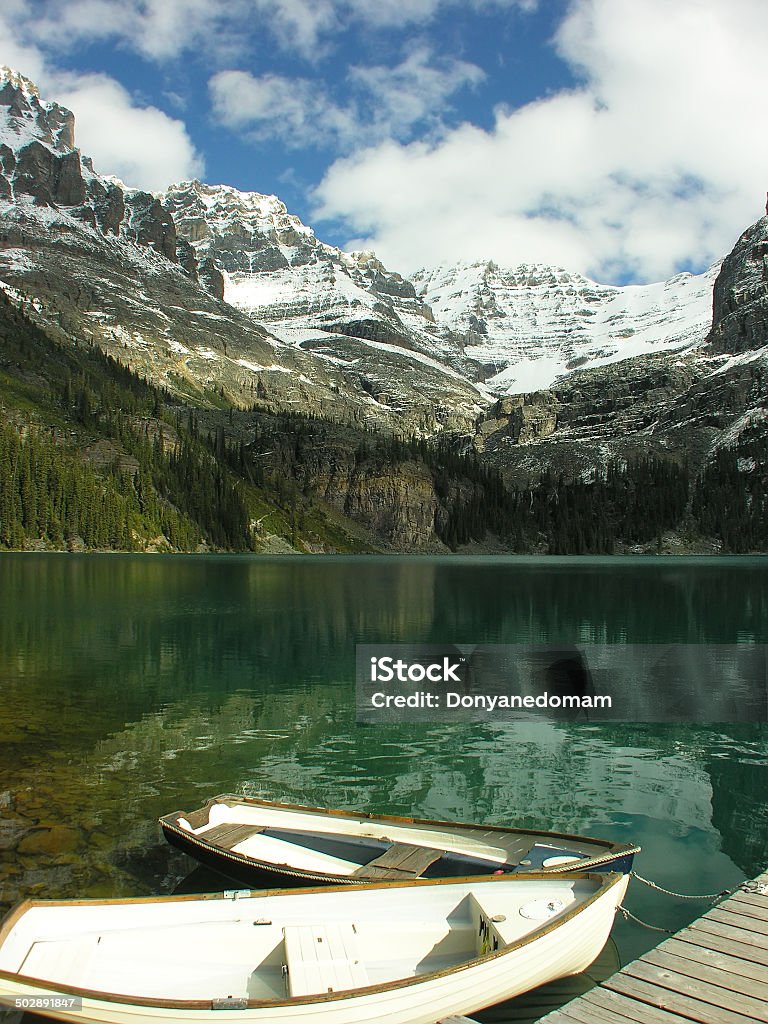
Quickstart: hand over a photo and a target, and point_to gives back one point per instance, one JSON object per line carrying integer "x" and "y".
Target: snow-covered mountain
{"x": 222, "y": 295}
{"x": 530, "y": 325}
{"x": 93, "y": 259}
{"x": 516, "y": 329}
{"x": 277, "y": 271}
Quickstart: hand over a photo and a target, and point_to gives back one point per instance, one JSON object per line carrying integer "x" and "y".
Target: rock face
{"x": 740, "y": 298}
{"x": 519, "y": 419}
{"x": 276, "y": 270}
{"x": 149, "y": 223}
{"x": 38, "y": 159}
{"x": 398, "y": 506}
{"x": 36, "y": 147}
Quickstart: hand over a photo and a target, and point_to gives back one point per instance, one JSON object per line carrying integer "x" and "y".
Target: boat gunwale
{"x": 605, "y": 882}
{"x": 612, "y": 850}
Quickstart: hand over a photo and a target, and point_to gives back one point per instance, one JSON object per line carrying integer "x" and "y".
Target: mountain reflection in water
{"x": 133, "y": 686}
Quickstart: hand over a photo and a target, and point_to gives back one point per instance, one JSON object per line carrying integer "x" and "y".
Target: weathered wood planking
{"x": 226, "y": 836}
{"x": 399, "y": 861}
{"x": 715, "y": 971}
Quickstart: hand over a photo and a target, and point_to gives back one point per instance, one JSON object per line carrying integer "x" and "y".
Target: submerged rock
{"x": 50, "y": 841}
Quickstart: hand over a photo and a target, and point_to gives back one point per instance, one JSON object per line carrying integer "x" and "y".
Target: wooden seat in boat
{"x": 227, "y": 835}
{"x": 401, "y": 860}
{"x": 322, "y": 958}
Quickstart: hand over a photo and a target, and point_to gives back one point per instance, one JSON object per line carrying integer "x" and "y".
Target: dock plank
{"x": 750, "y": 954}
{"x": 755, "y": 899}
{"x": 747, "y": 909}
{"x": 712, "y": 992}
{"x": 559, "y": 1017}
{"x": 678, "y": 1002}
{"x": 576, "y": 1012}
{"x": 714, "y": 971}
{"x": 730, "y": 930}
{"x": 734, "y": 964}
{"x": 630, "y": 1009}
{"x": 737, "y": 919}
{"x": 694, "y": 969}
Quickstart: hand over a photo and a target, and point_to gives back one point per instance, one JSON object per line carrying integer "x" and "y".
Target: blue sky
{"x": 613, "y": 137}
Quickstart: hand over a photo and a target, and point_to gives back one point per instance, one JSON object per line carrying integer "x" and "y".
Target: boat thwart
{"x": 245, "y": 837}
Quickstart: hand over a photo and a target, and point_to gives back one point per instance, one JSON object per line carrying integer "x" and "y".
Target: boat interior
{"x": 352, "y": 846}
{"x": 281, "y": 946}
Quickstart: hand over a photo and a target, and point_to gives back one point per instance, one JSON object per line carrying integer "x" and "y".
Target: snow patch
{"x": 729, "y": 438}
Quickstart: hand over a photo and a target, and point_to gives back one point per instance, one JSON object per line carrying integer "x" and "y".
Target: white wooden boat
{"x": 245, "y": 838}
{"x": 405, "y": 952}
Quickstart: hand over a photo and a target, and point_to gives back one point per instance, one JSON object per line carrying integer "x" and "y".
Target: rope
{"x": 629, "y": 916}
{"x": 681, "y": 895}
{"x": 757, "y": 888}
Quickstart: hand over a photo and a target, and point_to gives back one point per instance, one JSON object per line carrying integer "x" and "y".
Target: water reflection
{"x": 133, "y": 686}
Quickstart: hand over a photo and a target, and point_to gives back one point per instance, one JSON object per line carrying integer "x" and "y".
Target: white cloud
{"x": 295, "y": 110}
{"x": 300, "y": 26}
{"x": 385, "y": 102}
{"x": 158, "y": 29}
{"x": 141, "y": 145}
{"x": 416, "y": 90}
{"x": 656, "y": 162}
{"x": 15, "y": 53}
{"x": 394, "y": 13}
{"x": 162, "y": 29}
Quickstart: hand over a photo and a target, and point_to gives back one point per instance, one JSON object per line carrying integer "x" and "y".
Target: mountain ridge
{"x": 509, "y": 331}
{"x": 227, "y": 301}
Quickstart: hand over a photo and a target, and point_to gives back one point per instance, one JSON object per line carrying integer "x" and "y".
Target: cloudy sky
{"x": 621, "y": 138}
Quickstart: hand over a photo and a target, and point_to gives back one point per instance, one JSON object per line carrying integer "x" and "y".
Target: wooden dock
{"x": 715, "y": 971}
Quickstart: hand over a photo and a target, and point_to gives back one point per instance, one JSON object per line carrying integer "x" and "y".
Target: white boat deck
{"x": 224, "y": 949}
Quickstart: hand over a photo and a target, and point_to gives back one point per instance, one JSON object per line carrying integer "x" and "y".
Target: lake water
{"x": 132, "y": 686}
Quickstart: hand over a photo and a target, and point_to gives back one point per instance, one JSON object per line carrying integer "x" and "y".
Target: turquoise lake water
{"x": 132, "y": 686}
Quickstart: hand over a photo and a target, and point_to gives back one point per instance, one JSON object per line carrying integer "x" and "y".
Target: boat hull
{"x": 259, "y": 860}
{"x": 550, "y": 951}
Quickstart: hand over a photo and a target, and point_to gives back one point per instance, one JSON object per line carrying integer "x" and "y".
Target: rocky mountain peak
{"x": 8, "y": 76}
{"x": 244, "y": 231}
{"x": 740, "y": 297}
{"x": 530, "y": 324}
{"x": 24, "y": 118}
{"x": 277, "y": 270}
{"x": 41, "y": 168}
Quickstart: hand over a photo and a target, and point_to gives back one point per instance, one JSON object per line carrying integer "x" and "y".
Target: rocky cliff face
{"x": 398, "y": 506}
{"x": 519, "y": 419}
{"x": 740, "y": 299}
{"x": 38, "y": 161}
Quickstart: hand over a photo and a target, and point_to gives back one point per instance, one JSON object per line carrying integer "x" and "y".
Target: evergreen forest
{"x": 92, "y": 457}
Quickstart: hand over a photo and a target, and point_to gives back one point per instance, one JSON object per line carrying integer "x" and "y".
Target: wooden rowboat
{"x": 405, "y": 952}
{"x": 245, "y": 838}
